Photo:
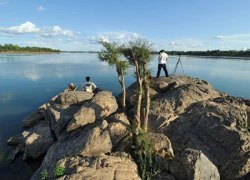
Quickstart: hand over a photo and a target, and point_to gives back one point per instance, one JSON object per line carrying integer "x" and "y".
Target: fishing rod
{"x": 176, "y": 66}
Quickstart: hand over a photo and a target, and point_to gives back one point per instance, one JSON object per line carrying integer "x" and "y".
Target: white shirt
{"x": 163, "y": 57}
{"x": 89, "y": 87}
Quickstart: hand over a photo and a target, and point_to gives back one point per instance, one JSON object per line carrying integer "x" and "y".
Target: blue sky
{"x": 172, "y": 25}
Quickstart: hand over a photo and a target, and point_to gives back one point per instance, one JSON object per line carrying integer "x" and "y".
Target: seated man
{"x": 89, "y": 86}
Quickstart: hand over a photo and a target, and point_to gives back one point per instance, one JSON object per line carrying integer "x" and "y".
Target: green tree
{"x": 111, "y": 54}
{"x": 139, "y": 55}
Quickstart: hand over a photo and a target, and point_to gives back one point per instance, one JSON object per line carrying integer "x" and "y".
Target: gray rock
{"x": 102, "y": 105}
{"x": 59, "y": 117}
{"x": 73, "y": 97}
{"x": 33, "y": 119}
{"x": 38, "y": 141}
{"x": 114, "y": 166}
{"x": 161, "y": 145}
{"x": 193, "y": 165}
{"x": 217, "y": 128}
{"x": 90, "y": 141}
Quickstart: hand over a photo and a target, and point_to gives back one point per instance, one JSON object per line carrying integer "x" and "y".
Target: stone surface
{"x": 161, "y": 145}
{"x": 102, "y": 105}
{"x": 74, "y": 97}
{"x": 38, "y": 141}
{"x": 59, "y": 117}
{"x": 217, "y": 128}
{"x": 193, "y": 165}
{"x": 89, "y": 141}
{"x": 33, "y": 119}
{"x": 105, "y": 167}
{"x": 83, "y": 117}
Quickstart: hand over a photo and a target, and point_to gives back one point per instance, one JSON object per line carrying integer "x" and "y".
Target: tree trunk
{"x": 147, "y": 103}
{"x": 139, "y": 98}
{"x": 122, "y": 83}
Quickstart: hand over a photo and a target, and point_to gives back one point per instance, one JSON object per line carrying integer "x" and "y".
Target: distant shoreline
{"x": 26, "y": 52}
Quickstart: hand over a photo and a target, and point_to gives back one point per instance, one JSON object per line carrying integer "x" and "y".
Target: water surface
{"x": 27, "y": 81}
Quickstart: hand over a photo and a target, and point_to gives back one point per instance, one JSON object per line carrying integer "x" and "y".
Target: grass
{"x": 146, "y": 159}
{"x": 59, "y": 171}
{"x": 44, "y": 175}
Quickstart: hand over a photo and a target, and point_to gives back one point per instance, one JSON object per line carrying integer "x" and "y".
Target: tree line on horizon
{"x": 16, "y": 48}
{"x": 232, "y": 53}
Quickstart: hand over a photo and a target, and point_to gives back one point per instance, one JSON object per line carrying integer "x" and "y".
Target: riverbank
{"x": 188, "y": 118}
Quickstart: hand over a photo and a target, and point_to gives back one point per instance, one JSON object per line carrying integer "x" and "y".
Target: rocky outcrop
{"x": 194, "y": 115}
{"x": 193, "y": 165}
{"x": 196, "y": 132}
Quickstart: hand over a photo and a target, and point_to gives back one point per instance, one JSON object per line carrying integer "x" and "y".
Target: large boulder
{"x": 176, "y": 94}
{"x": 73, "y": 97}
{"x": 193, "y": 165}
{"x": 102, "y": 105}
{"x": 217, "y": 128}
{"x": 38, "y": 141}
{"x": 89, "y": 141}
{"x": 105, "y": 167}
{"x": 59, "y": 116}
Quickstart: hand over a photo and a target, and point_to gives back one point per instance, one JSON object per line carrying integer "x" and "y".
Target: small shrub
{"x": 146, "y": 159}
{"x": 44, "y": 175}
{"x": 59, "y": 170}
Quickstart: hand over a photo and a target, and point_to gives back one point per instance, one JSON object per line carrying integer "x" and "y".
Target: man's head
{"x": 162, "y": 51}
{"x": 87, "y": 78}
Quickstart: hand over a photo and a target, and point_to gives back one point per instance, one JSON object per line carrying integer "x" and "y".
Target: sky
{"x": 77, "y": 25}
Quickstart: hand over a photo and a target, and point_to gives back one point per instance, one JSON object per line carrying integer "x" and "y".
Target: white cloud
{"x": 40, "y": 8}
{"x": 57, "y": 31}
{"x": 30, "y": 28}
{"x": 119, "y": 37}
{"x": 25, "y": 28}
{"x": 233, "y": 37}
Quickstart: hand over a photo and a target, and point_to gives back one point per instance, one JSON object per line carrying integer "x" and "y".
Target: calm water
{"x": 27, "y": 81}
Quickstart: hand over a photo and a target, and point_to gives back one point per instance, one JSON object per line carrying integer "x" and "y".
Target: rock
{"x": 119, "y": 117}
{"x": 18, "y": 139}
{"x": 102, "y": 105}
{"x": 15, "y": 153}
{"x": 161, "y": 145}
{"x": 164, "y": 176}
{"x": 118, "y": 132}
{"x": 38, "y": 141}
{"x": 33, "y": 119}
{"x": 83, "y": 117}
{"x": 73, "y": 97}
{"x": 215, "y": 128}
{"x": 114, "y": 166}
{"x": 193, "y": 165}
{"x": 59, "y": 117}
{"x": 88, "y": 141}
{"x": 179, "y": 93}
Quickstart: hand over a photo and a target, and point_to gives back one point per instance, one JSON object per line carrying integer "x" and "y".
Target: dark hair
{"x": 161, "y": 51}
{"x": 88, "y": 78}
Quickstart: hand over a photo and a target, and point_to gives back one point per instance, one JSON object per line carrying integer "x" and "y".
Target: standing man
{"x": 162, "y": 58}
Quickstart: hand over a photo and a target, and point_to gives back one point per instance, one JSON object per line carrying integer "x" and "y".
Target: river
{"x": 27, "y": 81}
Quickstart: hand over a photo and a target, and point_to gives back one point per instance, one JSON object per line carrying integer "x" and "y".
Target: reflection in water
{"x": 6, "y": 96}
{"x": 27, "y": 81}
